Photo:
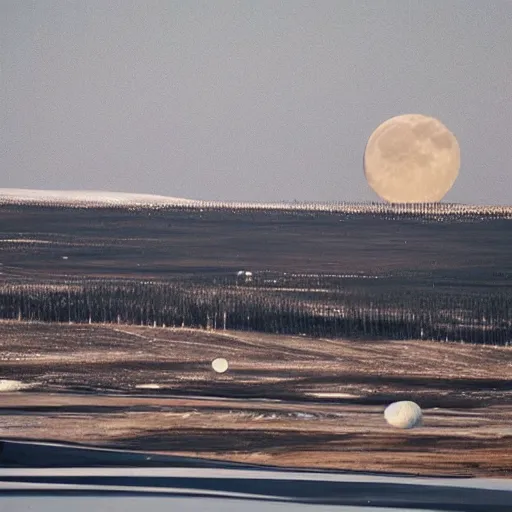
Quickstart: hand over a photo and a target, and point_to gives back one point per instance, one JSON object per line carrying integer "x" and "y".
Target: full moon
{"x": 412, "y": 158}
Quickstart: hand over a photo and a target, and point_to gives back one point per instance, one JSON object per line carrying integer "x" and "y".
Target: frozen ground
{"x": 284, "y": 400}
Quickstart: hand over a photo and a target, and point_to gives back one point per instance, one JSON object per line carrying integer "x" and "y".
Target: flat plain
{"x": 285, "y": 400}
{"x": 174, "y": 243}
{"x": 291, "y": 401}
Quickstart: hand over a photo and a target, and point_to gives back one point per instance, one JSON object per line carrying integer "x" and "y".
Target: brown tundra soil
{"x": 285, "y": 401}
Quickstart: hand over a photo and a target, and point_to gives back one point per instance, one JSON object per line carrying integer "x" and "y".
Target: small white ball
{"x": 220, "y": 365}
{"x": 403, "y": 414}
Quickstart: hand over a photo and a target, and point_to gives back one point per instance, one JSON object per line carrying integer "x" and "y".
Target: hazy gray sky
{"x": 251, "y": 100}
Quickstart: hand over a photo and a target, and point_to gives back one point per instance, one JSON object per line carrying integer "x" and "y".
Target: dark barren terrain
{"x": 285, "y": 400}
{"x": 172, "y": 243}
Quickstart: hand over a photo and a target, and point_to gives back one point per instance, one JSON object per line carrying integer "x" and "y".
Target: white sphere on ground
{"x": 220, "y": 365}
{"x": 403, "y": 414}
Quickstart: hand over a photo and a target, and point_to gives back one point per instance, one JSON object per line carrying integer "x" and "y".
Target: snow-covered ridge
{"x": 84, "y": 197}
{"x": 95, "y": 199}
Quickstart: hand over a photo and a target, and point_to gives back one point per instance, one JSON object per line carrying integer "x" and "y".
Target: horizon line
{"x": 95, "y": 198}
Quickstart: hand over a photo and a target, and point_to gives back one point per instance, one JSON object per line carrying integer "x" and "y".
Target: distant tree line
{"x": 427, "y": 211}
{"x": 353, "y": 313}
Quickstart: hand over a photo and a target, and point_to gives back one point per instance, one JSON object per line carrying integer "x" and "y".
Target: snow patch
{"x": 24, "y": 241}
{"x": 148, "y": 386}
{"x": 7, "y": 385}
{"x": 305, "y": 416}
{"x": 333, "y": 395}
